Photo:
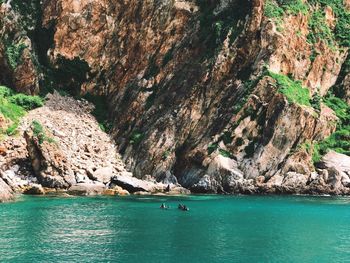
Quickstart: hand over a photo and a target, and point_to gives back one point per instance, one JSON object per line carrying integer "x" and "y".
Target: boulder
{"x": 86, "y": 189}
{"x": 333, "y": 159}
{"x": 48, "y": 161}
{"x": 117, "y": 190}
{"x": 294, "y": 182}
{"x": 6, "y": 193}
{"x": 103, "y": 174}
{"x": 221, "y": 176}
{"x": 178, "y": 190}
{"x": 35, "y": 189}
{"x": 206, "y": 184}
{"x": 337, "y": 167}
{"x": 132, "y": 184}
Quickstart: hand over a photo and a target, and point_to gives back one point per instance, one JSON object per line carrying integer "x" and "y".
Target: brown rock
{"x": 6, "y": 193}
{"x": 35, "y": 189}
{"x": 87, "y": 189}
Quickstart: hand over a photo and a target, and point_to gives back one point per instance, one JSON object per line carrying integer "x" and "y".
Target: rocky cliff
{"x": 219, "y": 96}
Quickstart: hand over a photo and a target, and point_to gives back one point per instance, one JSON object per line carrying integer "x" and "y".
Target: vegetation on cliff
{"x": 39, "y": 132}
{"x": 13, "y": 106}
{"x": 319, "y": 29}
{"x": 293, "y": 90}
{"x": 339, "y": 141}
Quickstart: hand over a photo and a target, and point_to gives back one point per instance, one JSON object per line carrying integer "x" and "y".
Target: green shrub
{"x": 27, "y": 102}
{"x": 316, "y": 101}
{"x": 212, "y": 148}
{"x": 342, "y": 28}
{"x": 14, "y": 106}
{"x": 277, "y": 8}
{"x": 272, "y": 9}
{"x": 319, "y": 30}
{"x": 5, "y": 91}
{"x": 340, "y": 107}
{"x": 136, "y": 137}
{"x": 14, "y": 54}
{"x": 339, "y": 141}
{"x": 10, "y": 110}
{"x": 293, "y": 90}
{"x": 39, "y": 132}
{"x": 225, "y": 153}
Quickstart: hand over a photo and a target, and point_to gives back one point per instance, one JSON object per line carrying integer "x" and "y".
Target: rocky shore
{"x": 71, "y": 154}
{"x": 226, "y": 96}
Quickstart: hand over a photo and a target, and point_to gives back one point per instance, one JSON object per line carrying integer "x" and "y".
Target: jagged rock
{"x": 87, "y": 189}
{"x": 82, "y": 178}
{"x": 206, "y": 184}
{"x": 103, "y": 174}
{"x": 35, "y": 189}
{"x": 21, "y": 71}
{"x": 226, "y": 174}
{"x": 178, "y": 191}
{"x": 49, "y": 162}
{"x": 6, "y": 193}
{"x": 294, "y": 182}
{"x": 16, "y": 182}
{"x": 337, "y": 167}
{"x": 116, "y": 191}
{"x": 167, "y": 111}
{"x": 132, "y": 184}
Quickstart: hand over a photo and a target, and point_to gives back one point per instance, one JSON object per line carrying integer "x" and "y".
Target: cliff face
{"x": 221, "y": 96}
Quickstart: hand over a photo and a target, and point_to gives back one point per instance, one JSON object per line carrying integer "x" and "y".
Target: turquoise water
{"x": 216, "y": 229}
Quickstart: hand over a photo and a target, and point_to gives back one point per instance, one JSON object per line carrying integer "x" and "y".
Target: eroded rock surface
{"x": 187, "y": 88}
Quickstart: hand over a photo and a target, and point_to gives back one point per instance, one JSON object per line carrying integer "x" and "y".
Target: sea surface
{"x": 216, "y": 229}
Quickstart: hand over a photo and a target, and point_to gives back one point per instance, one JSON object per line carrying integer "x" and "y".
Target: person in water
{"x": 183, "y": 207}
{"x": 163, "y": 206}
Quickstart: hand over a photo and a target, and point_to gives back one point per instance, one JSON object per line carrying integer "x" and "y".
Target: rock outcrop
{"x": 64, "y": 148}
{"x": 217, "y": 96}
{"x": 6, "y": 193}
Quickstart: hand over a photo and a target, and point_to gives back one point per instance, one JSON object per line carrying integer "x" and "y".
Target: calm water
{"x": 216, "y": 229}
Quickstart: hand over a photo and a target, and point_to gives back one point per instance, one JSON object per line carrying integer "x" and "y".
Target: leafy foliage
{"x": 39, "y": 132}
{"x": 293, "y": 90}
{"x": 27, "y": 102}
{"x": 277, "y": 8}
{"x": 319, "y": 30}
{"x": 136, "y": 137}
{"x": 14, "y": 54}
{"x": 342, "y": 28}
{"x": 14, "y": 106}
{"x": 339, "y": 141}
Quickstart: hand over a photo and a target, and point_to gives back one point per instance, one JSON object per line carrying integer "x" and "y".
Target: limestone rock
{"x": 116, "y": 191}
{"x": 103, "y": 174}
{"x": 6, "y": 193}
{"x": 133, "y": 184}
{"x": 49, "y": 162}
{"x": 87, "y": 189}
{"x": 337, "y": 166}
{"x": 35, "y": 189}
